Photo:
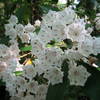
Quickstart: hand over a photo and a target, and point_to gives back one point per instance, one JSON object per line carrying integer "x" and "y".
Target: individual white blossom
{"x": 20, "y": 29}
{"x": 97, "y": 21}
{"x": 11, "y": 88}
{"x": 45, "y": 36}
{"x": 32, "y": 86}
{"x": 71, "y": 64}
{"x": 20, "y": 94}
{"x": 3, "y": 66}
{"x": 40, "y": 68}
{"x": 90, "y": 30}
{"x": 29, "y": 71}
{"x": 72, "y": 55}
{"x": 8, "y": 27}
{"x": 42, "y": 89}
{"x": 54, "y": 75}
{"x": 37, "y": 23}
{"x": 13, "y": 42}
{"x": 12, "y": 64}
{"x": 42, "y": 92}
{"x": 3, "y": 50}
{"x": 13, "y": 20}
{"x": 25, "y": 38}
{"x": 98, "y": 25}
{"x": 75, "y": 30}
{"x": 9, "y": 78}
{"x": 21, "y": 83}
{"x": 85, "y": 47}
{"x": 96, "y": 45}
{"x": 58, "y": 32}
{"x": 68, "y": 15}
{"x": 78, "y": 75}
{"x": 40, "y": 97}
{"x": 29, "y": 28}
{"x": 12, "y": 33}
{"x": 14, "y": 50}
{"x": 48, "y": 19}
{"x": 37, "y": 47}
{"x": 52, "y": 57}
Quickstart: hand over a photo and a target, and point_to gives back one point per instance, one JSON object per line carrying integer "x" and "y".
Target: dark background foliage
{"x": 29, "y": 11}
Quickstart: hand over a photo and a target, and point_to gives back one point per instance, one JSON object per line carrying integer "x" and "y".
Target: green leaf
{"x": 17, "y": 73}
{"x": 56, "y": 92}
{"x": 90, "y": 7}
{"x": 26, "y": 48}
{"x": 98, "y": 68}
{"x": 88, "y": 25}
{"x": 23, "y": 13}
{"x": 45, "y": 8}
{"x": 4, "y": 40}
{"x": 92, "y": 86}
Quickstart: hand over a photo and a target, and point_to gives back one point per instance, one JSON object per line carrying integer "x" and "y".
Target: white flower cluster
{"x": 24, "y": 87}
{"x": 77, "y": 74}
{"x": 13, "y": 29}
{"x": 54, "y": 26}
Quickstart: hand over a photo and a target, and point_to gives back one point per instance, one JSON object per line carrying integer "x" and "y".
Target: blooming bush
{"x": 63, "y": 55}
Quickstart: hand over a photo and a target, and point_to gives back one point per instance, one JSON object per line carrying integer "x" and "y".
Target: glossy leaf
{"x": 26, "y": 48}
